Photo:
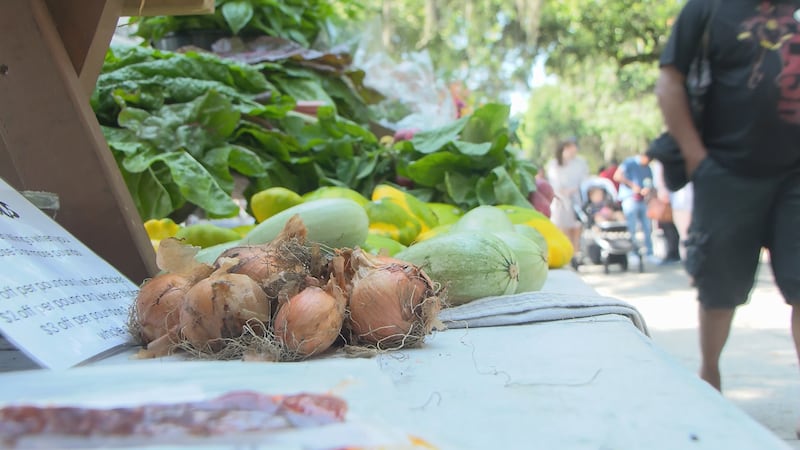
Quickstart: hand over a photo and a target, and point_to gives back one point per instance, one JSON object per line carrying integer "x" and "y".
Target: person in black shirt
{"x": 744, "y": 162}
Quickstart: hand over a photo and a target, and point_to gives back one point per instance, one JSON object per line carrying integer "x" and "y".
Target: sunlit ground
{"x": 759, "y": 364}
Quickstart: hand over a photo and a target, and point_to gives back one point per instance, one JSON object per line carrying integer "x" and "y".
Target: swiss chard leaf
{"x": 196, "y": 184}
{"x": 219, "y": 162}
{"x": 306, "y": 88}
{"x": 151, "y": 198}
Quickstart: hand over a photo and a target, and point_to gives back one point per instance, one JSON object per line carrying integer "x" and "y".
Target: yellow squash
{"x": 559, "y": 247}
{"x": 413, "y": 206}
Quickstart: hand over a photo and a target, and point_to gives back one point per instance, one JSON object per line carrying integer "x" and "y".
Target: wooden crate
{"x": 166, "y": 7}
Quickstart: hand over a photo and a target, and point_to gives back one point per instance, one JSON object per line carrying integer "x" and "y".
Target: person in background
{"x": 745, "y": 165}
{"x": 565, "y": 173}
{"x": 681, "y": 201}
{"x": 609, "y": 171}
{"x": 635, "y": 185}
{"x": 672, "y": 237}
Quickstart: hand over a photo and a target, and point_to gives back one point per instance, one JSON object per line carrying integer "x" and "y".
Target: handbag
{"x": 664, "y": 148}
{"x": 659, "y": 210}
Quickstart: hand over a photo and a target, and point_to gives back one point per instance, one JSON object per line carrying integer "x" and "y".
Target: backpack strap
{"x": 704, "y": 43}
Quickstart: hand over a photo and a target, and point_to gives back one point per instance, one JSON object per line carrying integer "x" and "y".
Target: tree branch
{"x": 640, "y": 58}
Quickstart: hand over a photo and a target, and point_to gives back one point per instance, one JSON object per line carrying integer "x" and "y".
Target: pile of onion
{"x": 218, "y": 307}
{"x": 283, "y": 301}
{"x": 393, "y": 304}
{"x": 156, "y": 311}
{"x": 309, "y": 322}
{"x": 282, "y": 267}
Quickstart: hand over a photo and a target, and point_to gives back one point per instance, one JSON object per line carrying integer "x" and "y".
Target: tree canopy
{"x": 602, "y": 55}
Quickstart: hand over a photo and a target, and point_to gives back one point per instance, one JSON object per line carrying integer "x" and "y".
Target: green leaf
{"x": 215, "y": 113}
{"x": 237, "y": 14}
{"x": 151, "y": 198}
{"x": 306, "y": 88}
{"x": 246, "y": 162}
{"x": 267, "y": 142}
{"x": 472, "y": 149}
{"x": 430, "y": 170}
{"x": 461, "y": 188}
{"x": 432, "y": 140}
{"x": 506, "y": 191}
{"x": 197, "y": 185}
{"x": 486, "y": 122}
{"x": 484, "y": 190}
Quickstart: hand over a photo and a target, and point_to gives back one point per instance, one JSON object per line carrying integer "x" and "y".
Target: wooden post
{"x": 86, "y": 32}
{"x": 50, "y": 139}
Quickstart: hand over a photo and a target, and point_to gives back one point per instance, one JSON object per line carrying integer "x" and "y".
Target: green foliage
{"x": 623, "y": 31}
{"x": 609, "y": 119}
{"x": 492, "y": 45}
{"x": 181, "y": 125}
{"x": 301, "y": 21}
{"x": 469, "y": 162}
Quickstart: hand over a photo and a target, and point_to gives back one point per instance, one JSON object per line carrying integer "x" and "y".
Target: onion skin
{"x": 392, "y": 303}
{"x": 309, "y": 322}
{"x": 218, "y": 307}
{"x": 158, "y": 304}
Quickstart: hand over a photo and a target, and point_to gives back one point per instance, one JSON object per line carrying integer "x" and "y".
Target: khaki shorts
{"x": 732, "y": 219}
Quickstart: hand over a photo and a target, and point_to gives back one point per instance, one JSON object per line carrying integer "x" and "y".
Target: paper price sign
{"x": 60, "y": 303}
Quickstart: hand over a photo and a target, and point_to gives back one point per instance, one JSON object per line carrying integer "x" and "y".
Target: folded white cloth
{"x": 532, "y": 307}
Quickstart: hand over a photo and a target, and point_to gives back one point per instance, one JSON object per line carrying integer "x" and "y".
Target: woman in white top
{"x": 566, "y": 173}
{"x": 681, "y": 202}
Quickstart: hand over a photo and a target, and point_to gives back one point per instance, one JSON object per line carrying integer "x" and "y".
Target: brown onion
{"x": 392, "y": 304}
{"x": 309, "y": 322}
{"x": 157, "y": 304}
{"x": 219, "y": 307}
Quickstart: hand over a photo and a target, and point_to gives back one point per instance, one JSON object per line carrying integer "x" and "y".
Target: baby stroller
{"x": 607, "y": 241}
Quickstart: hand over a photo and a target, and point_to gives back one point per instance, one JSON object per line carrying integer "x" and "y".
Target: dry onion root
{"x": 309, "y": 322}
{"x": 393, "y": 304}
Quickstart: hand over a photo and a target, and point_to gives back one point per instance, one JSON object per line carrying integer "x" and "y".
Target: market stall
{"x": 557, "y": 368}
{"x": 595, "y": 381}
{"x": 50, "y": 141}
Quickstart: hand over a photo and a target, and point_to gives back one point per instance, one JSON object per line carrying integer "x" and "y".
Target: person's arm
{"x": 674, "y": 105}
{"x": 619, "y": 177}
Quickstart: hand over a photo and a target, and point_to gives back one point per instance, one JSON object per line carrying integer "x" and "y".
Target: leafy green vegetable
{"x": 299, "y": 20}
{"x": 469, "y": 162}
{"x": 189, "y": 139}
{"x": 182, "y": 126}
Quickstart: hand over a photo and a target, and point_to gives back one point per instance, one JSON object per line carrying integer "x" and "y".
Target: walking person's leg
{"x": 672, "y": 239}
{"x": 647, "y": 228}
{"x": 629, "y": 211}
{"x": 715, "y": 326}
{"x": 783, "y": 243}
{"x": 729, "y": 222}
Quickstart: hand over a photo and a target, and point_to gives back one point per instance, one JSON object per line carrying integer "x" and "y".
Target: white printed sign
{"x": 60, "y": 303}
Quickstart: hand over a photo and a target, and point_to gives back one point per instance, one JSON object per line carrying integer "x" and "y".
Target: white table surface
{"x": 592, "y": 383}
